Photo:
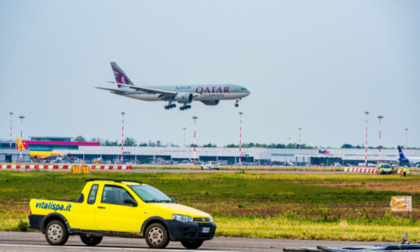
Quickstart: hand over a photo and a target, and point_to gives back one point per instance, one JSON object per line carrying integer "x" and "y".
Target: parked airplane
{"x": 37, "y": 154}
{"x": 409, "y": 160}
{"x": 185, "y": 94}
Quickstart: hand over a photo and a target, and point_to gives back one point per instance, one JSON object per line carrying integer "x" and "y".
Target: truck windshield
{"x": 150, "y": 194}
{"x": 386, "y": 166}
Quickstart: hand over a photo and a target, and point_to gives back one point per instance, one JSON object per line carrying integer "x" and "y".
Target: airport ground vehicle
{"x": 121, "y": 208}
{"x": 395, "y": 168}
{"x": 384, "y": 169}
{"x": 211, "y": 165}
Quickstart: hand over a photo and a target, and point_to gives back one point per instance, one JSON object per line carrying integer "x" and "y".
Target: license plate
{"x": 205, "y": 230}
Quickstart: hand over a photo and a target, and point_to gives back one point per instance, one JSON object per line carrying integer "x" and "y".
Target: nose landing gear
{"x": 236, "y": 104}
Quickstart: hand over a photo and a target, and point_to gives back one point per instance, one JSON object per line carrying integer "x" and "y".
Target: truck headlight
{"x": 182, "y": 218}
{"x": 211, "y": 219}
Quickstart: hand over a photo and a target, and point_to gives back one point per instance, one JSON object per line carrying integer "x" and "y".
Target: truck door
{"x": 112, "y": 214}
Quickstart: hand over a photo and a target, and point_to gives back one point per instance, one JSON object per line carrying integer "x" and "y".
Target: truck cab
{"x": 121, "y": 208}
{"x": 384, "y": 169}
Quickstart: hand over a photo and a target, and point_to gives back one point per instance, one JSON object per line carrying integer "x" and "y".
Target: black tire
{"x": 91, "y": 240}
{"x": 157, "y": 236}
{"x": 56, "y": 233}
{"x": 192, "y": 244}
{"x": 201, "y": 167}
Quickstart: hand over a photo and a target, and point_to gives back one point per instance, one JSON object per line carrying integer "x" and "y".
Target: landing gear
{"x": 236, "y": 104}
{"x": 185, "y": 107}
{"x": 169, "y": 106}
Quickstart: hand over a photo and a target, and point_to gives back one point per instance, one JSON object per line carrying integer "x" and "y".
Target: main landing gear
{"x": 169, "y": 106}
{"x": 185, "y": 107}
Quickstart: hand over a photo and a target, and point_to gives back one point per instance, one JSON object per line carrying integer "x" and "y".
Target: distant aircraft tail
{"x": 20, "y": 145}
{"x": 401, "y": 152}
{"x": 402, "y": 157}
{"x": 120, "y": 76}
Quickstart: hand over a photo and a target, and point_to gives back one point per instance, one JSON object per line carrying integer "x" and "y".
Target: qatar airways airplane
{"x": 209, "y": 94}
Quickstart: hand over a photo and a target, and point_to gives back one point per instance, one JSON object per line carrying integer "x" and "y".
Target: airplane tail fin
{"x": 120, "y": 76}
{"x": 401, "y": 153}
{"x": 20, "y": 145}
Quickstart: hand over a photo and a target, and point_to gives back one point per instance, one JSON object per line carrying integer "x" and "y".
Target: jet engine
{"x": 184, "y": 97}
{"x": 211, "y": 103}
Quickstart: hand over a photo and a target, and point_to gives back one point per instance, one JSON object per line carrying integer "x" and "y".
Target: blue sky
{"x": 318, "y": 65}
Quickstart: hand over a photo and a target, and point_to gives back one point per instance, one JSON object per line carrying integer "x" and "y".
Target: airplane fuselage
{"x": 203, "y": 92}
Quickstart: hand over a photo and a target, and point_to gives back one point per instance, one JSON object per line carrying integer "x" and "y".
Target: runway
{"x": 17, "y": 241}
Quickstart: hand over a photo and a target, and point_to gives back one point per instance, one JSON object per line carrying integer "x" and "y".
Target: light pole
{"x": 122, "y": 139}
{"x": 367, "y": 113}
{"x": 240, "y": 136}
{"x": 21, "y": 138}
{"x": 299, "y": 138}
{"x": 11, "y": 119}
{"x": 195, "y": 118}
{"x": 406, "y": 133}
{"x": 184, "y": 137}
{"x": 299, "y": 145}
{"x": 289, "y": 140}
{"x": 380, "y": 119}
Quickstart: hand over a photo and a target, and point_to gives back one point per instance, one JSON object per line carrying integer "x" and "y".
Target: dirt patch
{"x": 409, "y": 186}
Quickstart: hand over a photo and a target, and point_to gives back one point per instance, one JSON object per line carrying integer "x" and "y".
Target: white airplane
{"x": 208, "y": 94}
{"x": 409, "y": 160}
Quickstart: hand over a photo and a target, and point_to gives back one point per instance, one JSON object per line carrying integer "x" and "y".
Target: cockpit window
{"x": 243, "y": 88}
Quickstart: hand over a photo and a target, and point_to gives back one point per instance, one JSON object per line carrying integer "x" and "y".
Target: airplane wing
{"x": 111, "y": 89}
{"x": 150, "y": 90}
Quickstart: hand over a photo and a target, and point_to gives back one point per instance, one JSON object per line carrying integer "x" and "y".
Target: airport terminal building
{"x": 249, "y": 155}
{"x": 88, "y": 151}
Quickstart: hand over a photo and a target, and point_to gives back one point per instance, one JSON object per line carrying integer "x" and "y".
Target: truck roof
{"x": 113, "y": 180}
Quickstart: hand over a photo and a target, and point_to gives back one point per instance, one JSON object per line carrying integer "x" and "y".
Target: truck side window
{"x": 92, "y": 194}
{"x": 115, "y": 195}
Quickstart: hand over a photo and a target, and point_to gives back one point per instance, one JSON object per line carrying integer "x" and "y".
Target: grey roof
{"x": 51, "y": 137}
{"x": 13, "y": 151}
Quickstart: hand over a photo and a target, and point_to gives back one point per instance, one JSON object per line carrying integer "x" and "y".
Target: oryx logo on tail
{"x": 120, "y": 76}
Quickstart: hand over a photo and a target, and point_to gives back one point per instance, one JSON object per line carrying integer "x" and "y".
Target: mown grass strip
{"x": 285, "y": 228}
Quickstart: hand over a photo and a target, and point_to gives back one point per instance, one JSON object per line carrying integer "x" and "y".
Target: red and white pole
{"x": 366, "y": 146}
{"x": 406, "y": 133}
{"x": 11, "y": 119}
{"x": 195, "y": 118}
{"x": 184, "y": 137}
{"x": 21, "y": 138}
{"x": 122, "y": 139}
{"x": 240, "y": 136}
{"x": 380, "y": 117}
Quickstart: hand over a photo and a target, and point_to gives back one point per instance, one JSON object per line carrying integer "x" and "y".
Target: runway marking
{"x": 99, "y": 248}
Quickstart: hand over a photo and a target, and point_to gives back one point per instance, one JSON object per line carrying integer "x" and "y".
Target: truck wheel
{"x": 192, "y": 244}
{"x": 157, "y": 236}
{"x": 91, "y": 240}
{"x": 56, "y": 233}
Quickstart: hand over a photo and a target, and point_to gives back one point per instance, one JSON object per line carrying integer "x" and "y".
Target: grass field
{"x": 301, "y": 206}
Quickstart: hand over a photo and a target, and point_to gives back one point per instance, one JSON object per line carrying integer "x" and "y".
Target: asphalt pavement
{"x": 230, "y": 171}
{"x": 35, "y": 241}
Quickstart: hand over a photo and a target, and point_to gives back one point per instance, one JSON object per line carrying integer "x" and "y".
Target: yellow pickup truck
{"x": 121, "y": 208}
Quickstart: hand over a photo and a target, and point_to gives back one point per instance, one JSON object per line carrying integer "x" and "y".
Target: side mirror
{"x": 130, "y": 202}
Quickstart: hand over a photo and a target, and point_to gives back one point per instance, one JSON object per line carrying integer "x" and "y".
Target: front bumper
{"x": 191, "y": 231}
